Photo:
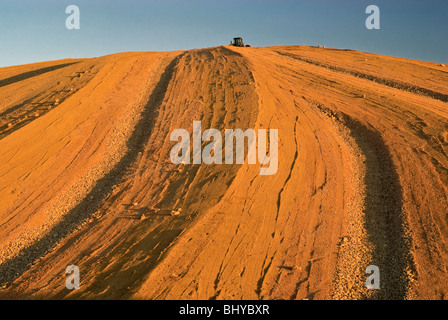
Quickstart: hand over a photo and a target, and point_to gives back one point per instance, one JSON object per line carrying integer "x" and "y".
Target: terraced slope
{"x": 86, "y": 177}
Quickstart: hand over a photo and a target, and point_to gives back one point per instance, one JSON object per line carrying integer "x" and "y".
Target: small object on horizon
{"x": 238, "y": 42}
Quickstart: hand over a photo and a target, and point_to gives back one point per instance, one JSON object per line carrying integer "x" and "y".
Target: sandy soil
{"x": 86, "y": 177}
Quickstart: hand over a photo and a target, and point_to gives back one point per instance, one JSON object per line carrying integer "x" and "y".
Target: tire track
{"x": 34, "y": 73}
{"x": 385, "y": 222}
{"x": 387, "y": 82}
{"x": 14, "y": 267}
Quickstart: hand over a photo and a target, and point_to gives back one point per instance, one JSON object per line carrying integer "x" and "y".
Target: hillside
{"x": 86, "y": 176}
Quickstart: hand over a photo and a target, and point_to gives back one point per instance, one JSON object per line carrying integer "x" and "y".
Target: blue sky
{"x": 34, "y": 30}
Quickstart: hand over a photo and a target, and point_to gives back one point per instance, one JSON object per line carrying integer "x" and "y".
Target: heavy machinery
{"x": 238, "y": 42}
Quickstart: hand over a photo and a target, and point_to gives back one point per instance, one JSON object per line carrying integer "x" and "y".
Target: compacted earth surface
{"x": 86, "y": 177}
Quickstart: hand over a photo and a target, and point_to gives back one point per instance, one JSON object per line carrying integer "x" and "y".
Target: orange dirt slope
{"x": 86, "y": 176}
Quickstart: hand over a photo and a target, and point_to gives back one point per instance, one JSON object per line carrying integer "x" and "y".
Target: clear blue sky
{"x": 34, "y": 30}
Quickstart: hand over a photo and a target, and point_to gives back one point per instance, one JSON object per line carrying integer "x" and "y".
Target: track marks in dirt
{"x": 385, "y": 223}
{"x": 13, "y": 268}
{"x": 155, "y": 184}
{"x": 388, "y": 82}
{"x": 65, "y": 80}
{"x": 30, "y": 74}
{"x": 296, "y": 154}
{"x": 341, "y": 199}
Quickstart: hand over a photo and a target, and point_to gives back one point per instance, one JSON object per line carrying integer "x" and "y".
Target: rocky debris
{"x": 296, "y": 268}
{"x": 176, "y": 212}
{"x": 345, "y": 239}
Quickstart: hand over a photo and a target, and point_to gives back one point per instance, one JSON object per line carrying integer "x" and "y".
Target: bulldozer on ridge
{"x": 238, "y": 42}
